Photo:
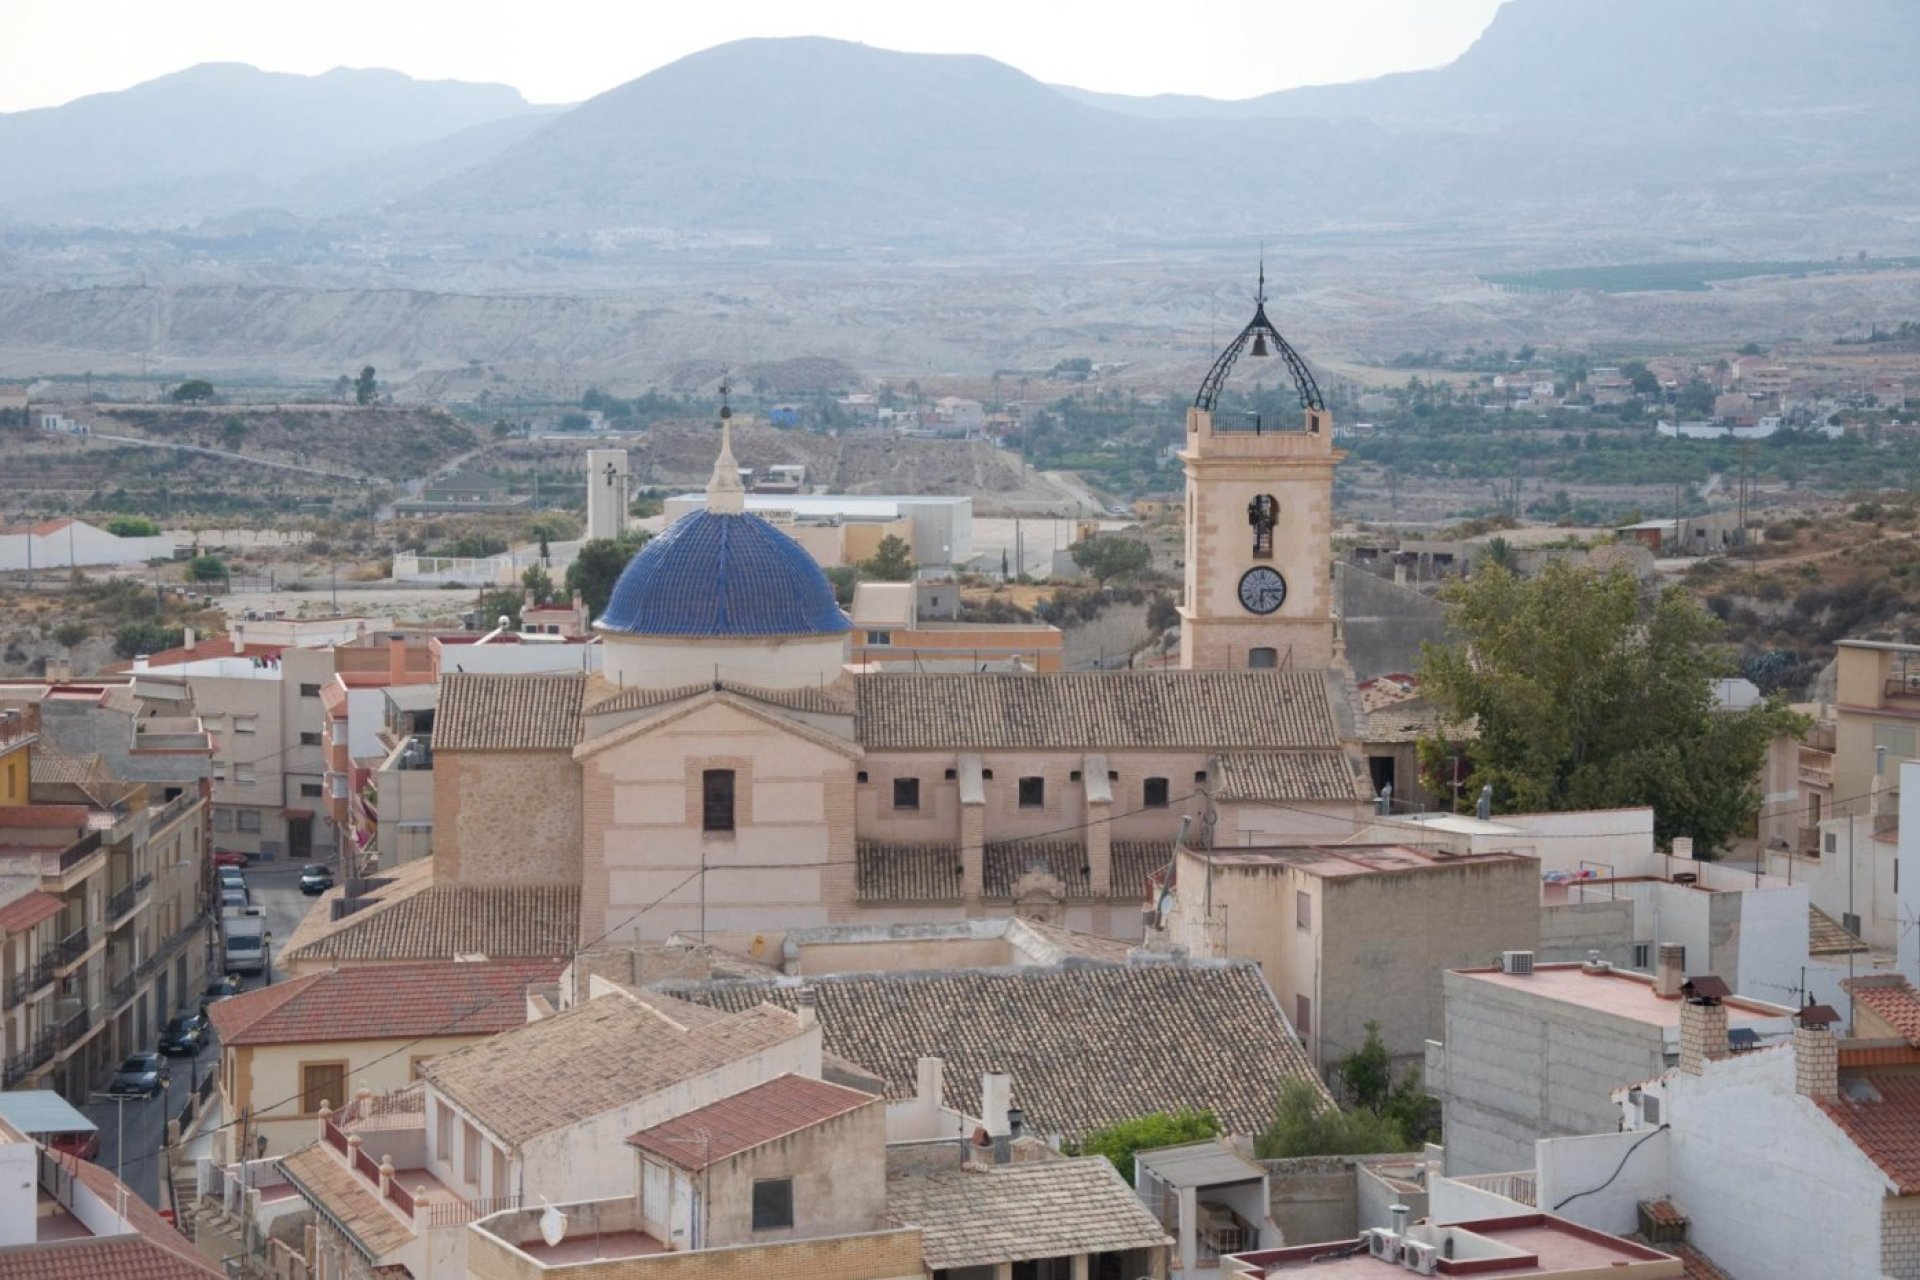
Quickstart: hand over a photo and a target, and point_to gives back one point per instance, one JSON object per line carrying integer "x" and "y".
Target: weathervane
{"x": 726, "y": 410}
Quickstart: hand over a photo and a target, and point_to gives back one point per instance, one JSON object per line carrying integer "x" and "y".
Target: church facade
{"x": 725, "y": 775}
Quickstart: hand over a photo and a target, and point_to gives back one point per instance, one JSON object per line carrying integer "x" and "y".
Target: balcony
{"x": 183, "y": 803}
{"x": 1902, "y": 689}
{"x": 1816, "y": 767}
{"x": 392, "y": 1128}
{"x": 76, "y": 1028}
{"x": 607, "y": 1231}
{"x": 121, "y": 989}
{"x": 22, "y": 1064}
{"x": 72, "y": 947}
{"x": 126, "y": 899}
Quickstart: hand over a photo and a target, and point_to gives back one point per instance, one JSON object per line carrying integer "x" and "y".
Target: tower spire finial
{"x": 1260, "y": 292}
{"x": 725, "y": 493}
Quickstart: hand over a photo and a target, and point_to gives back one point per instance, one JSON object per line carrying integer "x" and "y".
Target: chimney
{"x": 1816, "y": 1053}
{"x": 396, "y": 658}
{"x": 930, "y": 1081}
{"x": 1703, "y": 1023}
{"x": 803, "y": 1005}
{"x": 188, "y": 639}
{"x": 59, "y": 670}
{"x": 1666, "y": 970}
{"x": 996, "y": 1099}
{"x": 1401, "y": 1213}
{"x": 139, "y": 662}
{"x": 239, "y": 633}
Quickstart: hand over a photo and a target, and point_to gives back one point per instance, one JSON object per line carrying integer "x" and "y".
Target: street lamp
{"x": 119, "y": 1101}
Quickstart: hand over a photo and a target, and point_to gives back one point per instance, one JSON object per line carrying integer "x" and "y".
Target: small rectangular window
{"x": 987, "y": 774}
{"x": 1302, "y": 909}
{"x": 951, "y": 775}
{"x": 1033, "y": 793}
{"x": 322, "y": 1082}
{"x": 1303, "y": 1015}
{"x": 906, "y": 793}
{"x": 716, "y": 800}
{"x": 310, "y": 790}
{"x": 246, "y": 724}
{"x": 773, "y": 1204}
{"x": 223, "y": 819}
{"x": 1155, "y": 793}
{"x": 1200, "y": 777}
{"x": 1649, "y": 1109}
{"x": 879, "y": 637}
{"x": 309, "y": 739}
{"x": 243, "y": 775}
{"x": 860, "y": 776}
{"x": 1074, "y": 776}
{"x": 1642, "y": 955}
{"x": 248, "y": 820}
{"x": 309, "y": 690}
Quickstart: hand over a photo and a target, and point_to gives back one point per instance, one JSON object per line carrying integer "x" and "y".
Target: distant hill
{"x": 238, "y": 128}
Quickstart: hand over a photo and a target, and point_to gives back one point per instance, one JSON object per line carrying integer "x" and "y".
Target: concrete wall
{"x": 78, "y": 546}
{"x": 839, "y": 1172}
{"x": 1909, "y": 856}
{"x": 1515, "y": 1069}
{"x": 507, "y": 817}
{"x": 1571, "y": 931}
{"x": 1384, "y": 625}
{"x": 1313, "y": 1198}
{"x": 1581, "y": 1172}
{"x": 889, "y": 1255}
{"x": 267, "y": 1078}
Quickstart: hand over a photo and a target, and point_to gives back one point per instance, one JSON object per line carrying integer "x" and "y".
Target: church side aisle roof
{"x": 1169, "y": 710}
{"x": 508, "y": 712}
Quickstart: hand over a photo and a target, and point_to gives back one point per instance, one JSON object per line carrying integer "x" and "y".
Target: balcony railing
{"x": 127, "y": 897}
{"x": 73, "y": 946}
{"x": 1816, "y": 766}
{"x": 74, "y": 1029}
{"x": 172, "y": 809}
{"x": 79, "y": 851}
{"x": 120, "y": 990}
{"x": 22, "y": 1064}
{"x": 456, "y": 1213}
{"x": 1903, "y": 686}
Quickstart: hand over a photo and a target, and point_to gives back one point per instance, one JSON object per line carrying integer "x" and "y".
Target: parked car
{"x": 232, "y": 897}
{"x": 218, "y": 989}
{"x": 315, "y": 878}
{"x": 184, "y": 1035}
{"x": 231, "y": 878}
{"x": 231, "y": 857}
{"x": 140, "y": 1076}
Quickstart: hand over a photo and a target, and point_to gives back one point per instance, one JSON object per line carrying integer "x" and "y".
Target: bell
{"x": 1259, "y": 344}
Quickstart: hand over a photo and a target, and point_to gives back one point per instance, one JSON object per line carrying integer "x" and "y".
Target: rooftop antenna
{"x": 1260, "y": 303}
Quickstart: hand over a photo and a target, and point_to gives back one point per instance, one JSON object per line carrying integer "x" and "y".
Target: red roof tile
{"x": 1885, "y": 1124}
{"x": 28, "y": 910}
{"x": 119, "y": 1257}
{"x": 721, "y": 1130}
{"x": 383, "y": 1002}
{"x": 1898, "y": 1005}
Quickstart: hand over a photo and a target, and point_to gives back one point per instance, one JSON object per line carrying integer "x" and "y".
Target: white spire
{"x": 725, "y": 494}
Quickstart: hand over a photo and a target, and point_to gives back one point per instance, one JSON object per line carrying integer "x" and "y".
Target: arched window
{"x": 1263, "y": 658}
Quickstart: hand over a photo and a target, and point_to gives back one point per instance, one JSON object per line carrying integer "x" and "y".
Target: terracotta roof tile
{"x": 140, "y": 1215}
{"x": 1828, "y": 937}
{"x": 1172, "y": 710}
{"x": 1882, "y": 1116}
{"x": 424, "y": 920}
{"x": 603, "y": 697}
{"x": 346, "y": 1198}
{"x": 986, "y": 1215}
{"x": 1896, "y": 1004}
{"x": 1087, "y": 1045}
{"x": 590, "y": 1059}
{"x": 696, "y": 1139}
{"x": 380, "y": 1002}
{"x": 1283, "y": 776}
{"x": 115, "y": 1257}
{"x": 508, "y": 712}
{"x": 28, "y": 910}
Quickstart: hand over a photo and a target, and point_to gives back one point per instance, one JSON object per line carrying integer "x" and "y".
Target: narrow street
{"x": 131, "y": 1131}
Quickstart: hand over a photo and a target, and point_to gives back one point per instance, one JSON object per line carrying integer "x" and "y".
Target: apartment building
{"x": 102, "y": 902}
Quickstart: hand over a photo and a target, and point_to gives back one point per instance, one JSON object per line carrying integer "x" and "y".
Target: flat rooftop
{"x": 1531, "y": 1245}
{"x": 1619, "y": 992}
{"x": 1337, "y": 861}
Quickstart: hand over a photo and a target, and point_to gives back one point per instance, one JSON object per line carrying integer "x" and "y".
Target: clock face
{"x": 1262, "y": 589}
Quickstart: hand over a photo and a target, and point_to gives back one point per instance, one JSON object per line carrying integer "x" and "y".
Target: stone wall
{"x": 506, "y": 817}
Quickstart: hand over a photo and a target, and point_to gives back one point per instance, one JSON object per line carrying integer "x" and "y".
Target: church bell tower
{"x": 1259, "y": 533}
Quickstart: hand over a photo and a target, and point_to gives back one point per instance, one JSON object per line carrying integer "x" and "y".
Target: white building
{"x": 941, "y": 526}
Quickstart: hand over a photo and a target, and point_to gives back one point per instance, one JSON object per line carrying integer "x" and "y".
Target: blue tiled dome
{"x": 713, "y": 574}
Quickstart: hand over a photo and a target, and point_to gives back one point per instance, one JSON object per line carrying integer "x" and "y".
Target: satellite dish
{"x": 553, "y": 1226}
{"x": 1166, "y": 904}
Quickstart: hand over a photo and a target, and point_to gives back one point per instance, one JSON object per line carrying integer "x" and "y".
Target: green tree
{"x": 192, "y": 391}
{"x": 498, "y": 603}
{"x": 135, "y": 638}
{"x": 233, "y": 431}
{"x": 70, "y": 635}
{"x": 844, "y": 578}
{"x": 599, "y": 565}
{"x": 1109, "y": 555}
{"x": 365, "y": 387}
{"x": 132, "y": 527}
{"x": 1587, "y": 696}
{"x": 1366, "y": 1074}
{"x": 206, "y": 569}
{"x": 1499, "y": 553}
{"x": 1306, "y": 1124}
{"x": 539, "y": 582}
{"x": 1695, "y": 399}
{"x": 1118, "y": 1141}
{"x": 892, "y": 561}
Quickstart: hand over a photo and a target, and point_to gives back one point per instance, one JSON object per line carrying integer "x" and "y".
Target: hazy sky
{"x": 52, "y": 51}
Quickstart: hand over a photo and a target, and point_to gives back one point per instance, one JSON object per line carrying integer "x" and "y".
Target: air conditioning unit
{"x": 1383, "y": 1244}
{"x": 1517, "y": 962}
{"x": 1419, "y": 1257}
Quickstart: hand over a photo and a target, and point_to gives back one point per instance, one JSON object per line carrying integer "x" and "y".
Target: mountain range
{"x": 1754, "y": 123}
